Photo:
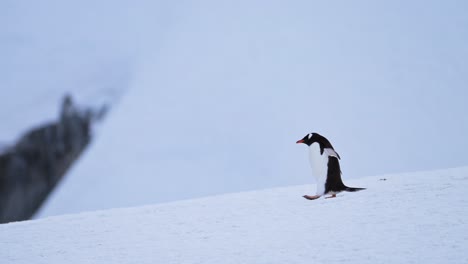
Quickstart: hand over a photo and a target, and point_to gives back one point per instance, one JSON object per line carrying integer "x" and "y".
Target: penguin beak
{"x": 300, "y": 141}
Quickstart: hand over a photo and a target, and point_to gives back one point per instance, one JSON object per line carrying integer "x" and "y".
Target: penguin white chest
{"x": 319, "y": 164}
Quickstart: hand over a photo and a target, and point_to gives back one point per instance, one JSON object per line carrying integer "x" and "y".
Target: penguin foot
{"x": 332, "y": 196}
{"x": 311, "y": 197}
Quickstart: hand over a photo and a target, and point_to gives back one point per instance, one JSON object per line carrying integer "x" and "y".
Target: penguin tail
{"x": 353, "y": 189}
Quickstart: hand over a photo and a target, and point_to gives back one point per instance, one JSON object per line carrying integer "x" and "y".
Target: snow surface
{"x": 406, "y": 218}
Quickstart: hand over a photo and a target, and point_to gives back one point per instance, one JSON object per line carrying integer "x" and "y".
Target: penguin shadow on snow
{"x": 325, "y": 164}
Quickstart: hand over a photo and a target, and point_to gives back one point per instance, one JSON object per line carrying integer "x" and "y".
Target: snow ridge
{"x": 405, "y": 218}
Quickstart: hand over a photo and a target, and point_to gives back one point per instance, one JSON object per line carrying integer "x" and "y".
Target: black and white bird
{"x": 325, "y": 164}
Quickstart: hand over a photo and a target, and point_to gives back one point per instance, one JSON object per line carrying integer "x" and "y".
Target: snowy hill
{"x": 406, "y": 218}
{"x": 217, "y": 92}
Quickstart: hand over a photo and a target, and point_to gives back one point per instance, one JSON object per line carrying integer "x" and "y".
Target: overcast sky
{"x": 217, "y": 92}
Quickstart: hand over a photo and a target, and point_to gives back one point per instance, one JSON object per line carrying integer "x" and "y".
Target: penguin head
{"x": 308, "y": 139}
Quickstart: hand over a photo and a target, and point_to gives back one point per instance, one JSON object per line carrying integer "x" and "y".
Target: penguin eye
{"x": 309, "y": 136}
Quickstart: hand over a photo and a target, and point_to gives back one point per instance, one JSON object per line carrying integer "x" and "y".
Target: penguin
{"x": 325, "y": 164}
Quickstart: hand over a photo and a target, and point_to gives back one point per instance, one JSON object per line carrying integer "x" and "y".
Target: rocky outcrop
{"x": 30, "y": 169}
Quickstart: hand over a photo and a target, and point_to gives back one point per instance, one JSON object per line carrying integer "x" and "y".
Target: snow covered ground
{"x": 405, "y": 218}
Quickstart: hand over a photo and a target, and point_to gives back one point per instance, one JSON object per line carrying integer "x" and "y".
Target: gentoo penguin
{"x": 325, "y": 164}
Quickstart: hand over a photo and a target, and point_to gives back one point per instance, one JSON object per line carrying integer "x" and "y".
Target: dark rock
{"x": 31, "y": 168}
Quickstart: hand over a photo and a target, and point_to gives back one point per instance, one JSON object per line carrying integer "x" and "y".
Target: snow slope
{"x": 406, "y": 218}
{"x": 219, "y": 91}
